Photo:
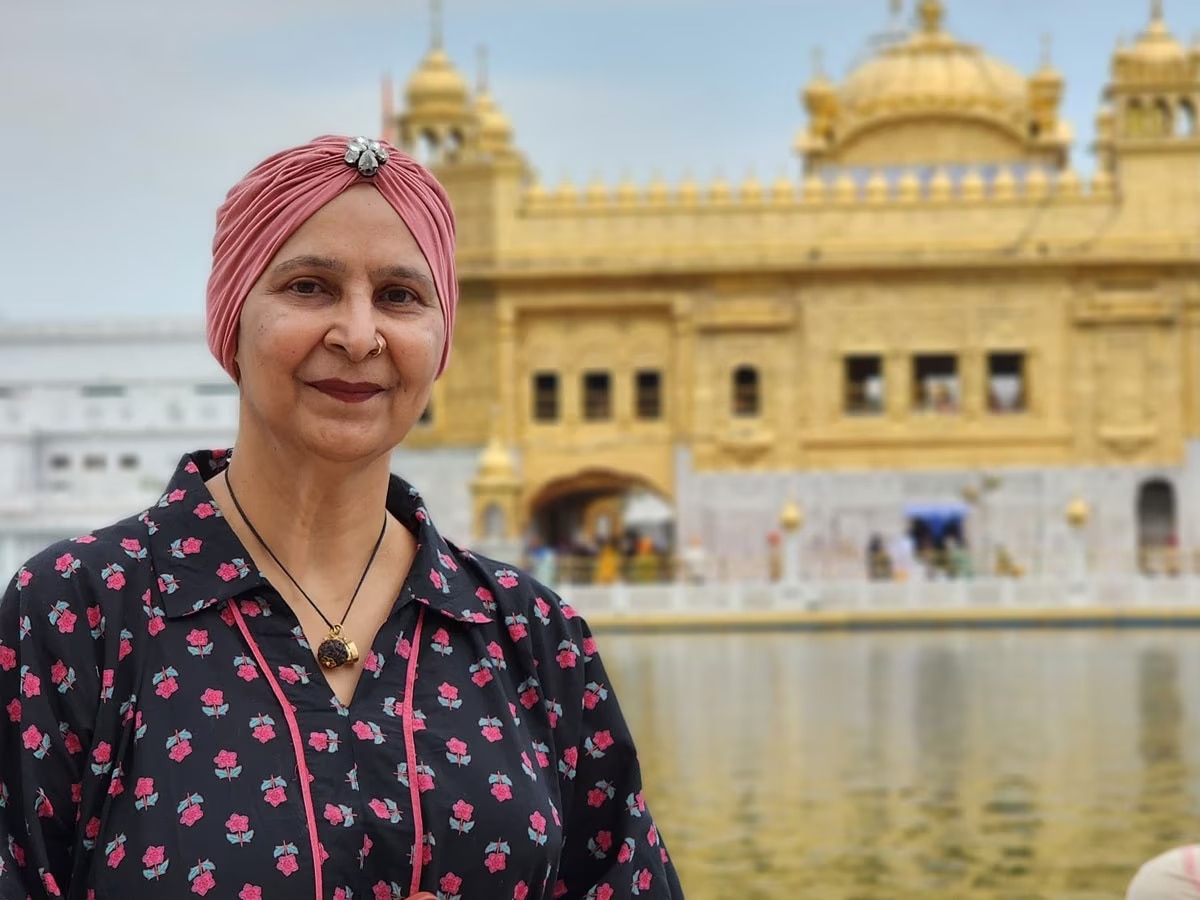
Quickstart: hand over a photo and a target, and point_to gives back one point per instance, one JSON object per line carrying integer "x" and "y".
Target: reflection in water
{"x": 944, "y": 766}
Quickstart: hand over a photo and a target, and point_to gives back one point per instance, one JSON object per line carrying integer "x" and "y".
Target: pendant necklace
{"x": 335, "y": 651}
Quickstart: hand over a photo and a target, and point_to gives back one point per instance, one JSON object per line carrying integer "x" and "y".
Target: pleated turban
{"x": 266, "y": 207}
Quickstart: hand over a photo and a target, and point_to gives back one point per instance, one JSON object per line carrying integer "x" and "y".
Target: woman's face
{"x": 351, "y": 273}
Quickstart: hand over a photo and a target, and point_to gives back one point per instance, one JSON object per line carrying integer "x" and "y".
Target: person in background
{"x": 280, "y": 680}
{"x": 1174, "y": 875}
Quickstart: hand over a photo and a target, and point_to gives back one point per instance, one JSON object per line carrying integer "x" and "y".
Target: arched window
{"x": 1164, "y": 119}
{"x": 1156, "y": 524}
{"x": 1185, "y": 121}
{"x": 746, "y": 392}
{"x": 427, "y": 147}
{"x": 1135, "y": 119}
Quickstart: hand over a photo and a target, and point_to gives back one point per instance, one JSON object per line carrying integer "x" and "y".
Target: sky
{"x": 125, "y": 122}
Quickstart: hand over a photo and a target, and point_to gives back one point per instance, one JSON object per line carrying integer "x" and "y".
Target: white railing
{"x": 1102, "y": 594}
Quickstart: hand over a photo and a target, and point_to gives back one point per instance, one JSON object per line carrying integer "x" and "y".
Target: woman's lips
{"x": 348, "y": 391}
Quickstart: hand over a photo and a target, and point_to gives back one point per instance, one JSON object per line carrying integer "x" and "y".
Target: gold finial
{"x": 896, "y": 7}
{"x": 1156, "y": 10}
{"x": 1047, "y": 50}
{"x": 818, "y": 62}
{"x": 932, "y": 13}
{"x": 435, "y": 24}
{"x": 481, "y": 56}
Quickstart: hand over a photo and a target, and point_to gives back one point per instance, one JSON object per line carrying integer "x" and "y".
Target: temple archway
{"x": 1156, "y": 526}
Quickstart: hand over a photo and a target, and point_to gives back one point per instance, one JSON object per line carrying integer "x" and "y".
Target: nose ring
{"x": 379, "y": 345}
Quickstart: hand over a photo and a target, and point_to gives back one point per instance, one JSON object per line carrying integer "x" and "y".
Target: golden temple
{"x": 938, "y": 299}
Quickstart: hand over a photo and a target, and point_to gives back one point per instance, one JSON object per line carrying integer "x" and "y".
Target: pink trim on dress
{"x": 410, "y": 751}
{"x": 289, "y": 714}
{"x": 1189, "y": 865}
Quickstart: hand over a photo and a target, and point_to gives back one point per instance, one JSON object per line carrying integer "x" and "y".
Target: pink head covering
{"x": 266, "y": 207}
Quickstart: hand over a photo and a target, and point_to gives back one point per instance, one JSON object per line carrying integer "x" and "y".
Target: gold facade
{"x": 938, "y": 251}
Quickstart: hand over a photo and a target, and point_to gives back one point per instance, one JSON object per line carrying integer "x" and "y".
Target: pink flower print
{"x": 485, "y": 596}
{"x": 63, "y": 563}
{"x": 506, "y": 578}
{"x": 275, "y": 796}
{"x": 23, "y": 578}
{"x": 72, "y": 742}
{"x": 14, "y": 713}
{"x": 191, "y": 815}
{"x": 288, "y": 674}
{"x": 205, "y": 882}
{"x": 448, "y": 696}
{"x": 441, "y": 642}
{"x": 435, "y": 578}
{"x": 103, "y": 753}
{"x": 94, "y": 617}
{"x": 450, "y": 883}
{"x": 198, "y": 638}
{"x": 603, "y": 739}
{"x": 66, "y": 621}
{"x": 8, "y": 658}
{"x": 58, "y": 672}
{"x": 319, "y": 741}
{"x": 31, "y": 685}
{"x": 570, "y": 759}
{"x": 385, "y": 809}
{"x": 287, "y": 865}
{"x": 31, "y": 738}
{"x": 250, "y": 892}
{"x": 501, "y": 791}
{"x": 625, "y": 854}
{"x": 490, "y": 729}
{"x": 456, "y": 752}
{"x": 180, "y": 751}
{"x": 191, "y": 468}
{"x": 481, "y": 675}
{"x": 247, "y": 672}
{"x": 516, "y": 627}
{"x": 589, "y": 646}
{"x": 333, "y": 815}
{"x": 368, "y": 731}
{"x": 154, "y": 856}
{"x": 212, "y": 697}
{"x": 227, "y": 571}
{"x": 643, "y": 880}
{"x": 497, "y": 856}
{"x": 463, "y": 810}
{"x": 496, "y": 652}
{"x": 226, "y": 759}
{"x": 204, "y": 511}
{"x": 117, "y": 856}
{"x": 191, "y": 545}
{"x": 167, "y": 687}
{"x": 176, "y": 495}
{"x": 156, "y": 626}
{"x": 605, "y": 892}
{"x": 131, "y": 545}
{"x": 115, "y": 581}
{"x": 568, "y": 653}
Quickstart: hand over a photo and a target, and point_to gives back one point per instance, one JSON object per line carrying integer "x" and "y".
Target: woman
{"x": 280, "y": 681}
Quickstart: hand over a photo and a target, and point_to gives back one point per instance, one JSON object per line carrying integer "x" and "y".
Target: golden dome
{"x": 932, "y": 70}
{"x": 436, "y": 82}
{"x": 495, "y": 129}
{"x": 1156, "y": 44}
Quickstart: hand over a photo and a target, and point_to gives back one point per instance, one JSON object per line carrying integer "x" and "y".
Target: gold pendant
{"x": 335, "y": 651}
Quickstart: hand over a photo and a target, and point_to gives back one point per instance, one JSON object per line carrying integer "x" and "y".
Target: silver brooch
{"x": 366, "y": 155}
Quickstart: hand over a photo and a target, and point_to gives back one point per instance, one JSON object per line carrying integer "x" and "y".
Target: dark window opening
{"x": 746, "y": 400}
{"x": 597, "y": 396}
{"x": 864, "y": 386}
{"x": 1006, "y": 383}
{"x": 649, "y": 394}
{"x": 935, "y": 384}
{"x": 545, "y": 397}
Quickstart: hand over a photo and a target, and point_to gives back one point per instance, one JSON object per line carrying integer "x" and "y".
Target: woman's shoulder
{"x": 512, "y": 595}
{"x": 75, "y": 567}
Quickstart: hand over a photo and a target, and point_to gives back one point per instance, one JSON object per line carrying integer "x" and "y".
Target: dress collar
{"x": 200, "y": 562}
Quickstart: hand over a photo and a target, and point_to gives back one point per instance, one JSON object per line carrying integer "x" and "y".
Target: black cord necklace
{"x": 335, "y": 651}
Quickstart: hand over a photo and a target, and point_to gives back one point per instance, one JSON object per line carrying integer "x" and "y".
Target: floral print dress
{"x": 167, "y": 732}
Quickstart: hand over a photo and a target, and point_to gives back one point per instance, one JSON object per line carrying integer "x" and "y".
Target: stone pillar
{"x": 496, "y": 503}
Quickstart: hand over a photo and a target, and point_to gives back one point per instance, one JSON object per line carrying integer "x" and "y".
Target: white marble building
{"x": 94, "y": 418}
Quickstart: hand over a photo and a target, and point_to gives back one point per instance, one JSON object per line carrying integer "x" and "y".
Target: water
{"x": 1019, "y": 765}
